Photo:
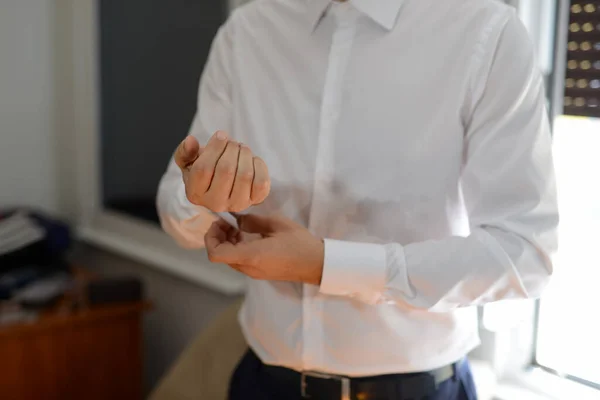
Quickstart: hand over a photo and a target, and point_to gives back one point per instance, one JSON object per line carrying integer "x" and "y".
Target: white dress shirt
{"x": 412, "y": 135}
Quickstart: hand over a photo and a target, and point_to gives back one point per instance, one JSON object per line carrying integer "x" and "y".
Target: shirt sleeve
{"x": 509, "y": 189}
{"x": 185, "y": 222}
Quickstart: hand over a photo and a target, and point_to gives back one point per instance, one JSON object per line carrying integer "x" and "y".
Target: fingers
{"x": 251, "y": 223}
{"x": 218, "y": 247}
{"x": 242, "y": 186}
{"x": 261, "y": 183}
{"x": 224, "y": 176}
{"x": 247, "y": 254}
{"x": 187, "y": 152}
{"x": 216, "y": 236}
{"x": 214, "y": 149}
{"x": 234, "y": 236}
{"x": 201, "y": 173}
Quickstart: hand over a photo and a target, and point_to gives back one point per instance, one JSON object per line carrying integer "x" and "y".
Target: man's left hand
{"x": 278, "y": 250}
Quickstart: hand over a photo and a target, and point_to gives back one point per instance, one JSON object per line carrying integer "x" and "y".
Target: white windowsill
{"x": 148, "y": 244}
{"x": 538, "y": 384}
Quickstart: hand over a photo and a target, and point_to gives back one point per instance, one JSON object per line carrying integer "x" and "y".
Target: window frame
{"x": 557, "y": 93}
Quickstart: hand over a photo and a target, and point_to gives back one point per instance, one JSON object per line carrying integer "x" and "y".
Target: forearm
{"x": 508, "y": 186}
{"x": 489, "y": 265}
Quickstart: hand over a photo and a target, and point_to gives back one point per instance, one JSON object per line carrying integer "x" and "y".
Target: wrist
{"x": 317, "y": 259}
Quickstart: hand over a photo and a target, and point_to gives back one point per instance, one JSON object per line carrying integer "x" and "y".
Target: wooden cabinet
{"x": 90, "y": 353}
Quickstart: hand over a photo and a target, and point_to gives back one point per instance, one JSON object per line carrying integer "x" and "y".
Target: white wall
{"x": 36, "y": 127}
{"x": 28, "y": 150}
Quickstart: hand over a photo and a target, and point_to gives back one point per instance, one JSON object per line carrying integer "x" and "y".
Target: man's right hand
{"x": 224, "y": 176}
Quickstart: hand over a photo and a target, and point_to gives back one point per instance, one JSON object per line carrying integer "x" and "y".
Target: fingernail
{"x": 221, "y": 135}
{"x": 244, "y": 145}
{"x": 185, "y": 145}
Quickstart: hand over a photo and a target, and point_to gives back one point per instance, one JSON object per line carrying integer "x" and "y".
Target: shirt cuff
{"x": 185, "y": 209}
{"x": 186, "y": 222}
{"x": 354, "y": 269}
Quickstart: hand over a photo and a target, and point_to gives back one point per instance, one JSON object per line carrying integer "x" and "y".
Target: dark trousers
{"x": 248, "y": 383}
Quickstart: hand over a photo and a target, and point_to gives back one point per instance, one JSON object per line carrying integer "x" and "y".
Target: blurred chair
{"x": 204, "y": 368}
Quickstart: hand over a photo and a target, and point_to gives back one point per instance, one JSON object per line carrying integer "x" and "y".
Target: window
{"x": 560, "y": 340}
{"x": 151, "y": 57}
{"x": 567, "y": 334}
{"x": 136, "y": 67}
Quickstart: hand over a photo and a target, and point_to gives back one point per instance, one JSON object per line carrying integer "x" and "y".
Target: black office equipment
{"x": 114, "y": 290}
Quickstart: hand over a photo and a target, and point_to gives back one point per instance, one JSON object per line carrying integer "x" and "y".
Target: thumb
{"x": 251, "y": 223}
{"x": 187, "y": 152}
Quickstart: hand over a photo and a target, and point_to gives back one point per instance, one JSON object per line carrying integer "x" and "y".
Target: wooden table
{"x": 74, "y": 352}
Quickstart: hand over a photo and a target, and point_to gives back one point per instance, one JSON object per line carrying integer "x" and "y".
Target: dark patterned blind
{"x": 582, "y": 84}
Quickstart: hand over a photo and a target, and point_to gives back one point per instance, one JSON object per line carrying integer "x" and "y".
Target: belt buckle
{"x": 344, "y": 383}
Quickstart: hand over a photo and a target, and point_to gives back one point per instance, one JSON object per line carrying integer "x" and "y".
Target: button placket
{"x": 341, "y": 47}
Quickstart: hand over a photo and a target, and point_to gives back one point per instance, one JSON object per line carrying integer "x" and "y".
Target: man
{"x": 409, "y": 179}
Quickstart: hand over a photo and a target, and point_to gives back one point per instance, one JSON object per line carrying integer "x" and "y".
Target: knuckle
{"x": 212, "y": 257}
{"x": 217, "y": 207}
{"x": 246, "y": 176}
{"x": 238, "y": 206}
{"x": 192, "y": 196}
{"x": 259, "y": 198}
{"x": 226, "y": 169}
{"x": 260, "y": 190}
{"x": 245, "y": 150}
{"x": 233, "y": 145}
{"x": 259, "y": 162}
{"x": 202, "y": 169}
{"x": 261, "y": 184}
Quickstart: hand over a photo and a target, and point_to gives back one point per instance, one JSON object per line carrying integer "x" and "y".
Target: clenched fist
{"x": 224, "y": 176}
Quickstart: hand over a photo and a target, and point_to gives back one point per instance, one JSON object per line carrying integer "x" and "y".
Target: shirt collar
{"x": 383, "y": 12}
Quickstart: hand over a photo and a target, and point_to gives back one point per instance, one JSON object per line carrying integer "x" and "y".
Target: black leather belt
{"x": 319, "y": 386}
